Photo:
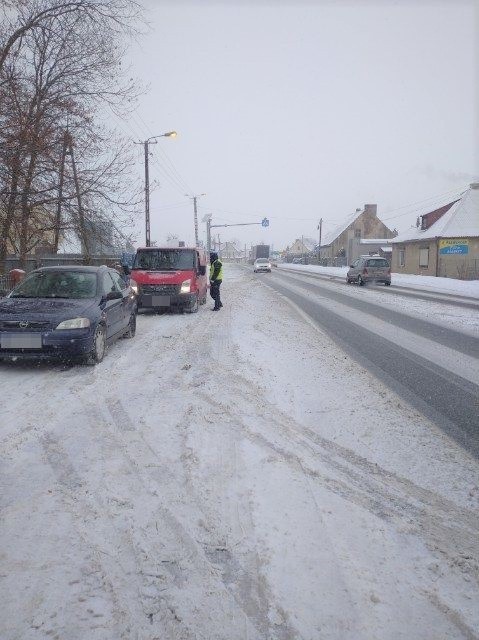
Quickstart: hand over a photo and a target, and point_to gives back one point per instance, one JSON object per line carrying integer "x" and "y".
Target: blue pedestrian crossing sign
{"x": 265, "y": 222}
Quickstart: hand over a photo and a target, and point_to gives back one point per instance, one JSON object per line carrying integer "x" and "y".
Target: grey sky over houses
{"x": 297, "y": 111}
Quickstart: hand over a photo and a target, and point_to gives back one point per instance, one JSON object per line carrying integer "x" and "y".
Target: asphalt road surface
{"x": 435, "y": 368}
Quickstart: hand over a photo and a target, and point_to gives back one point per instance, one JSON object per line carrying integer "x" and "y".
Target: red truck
{"x": 170, "y": 277}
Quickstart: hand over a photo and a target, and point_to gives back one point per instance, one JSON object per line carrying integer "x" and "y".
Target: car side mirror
{"x": 202, "y": 270}
{"x": 114, "y": 295}
{"x": 351, "y": 266}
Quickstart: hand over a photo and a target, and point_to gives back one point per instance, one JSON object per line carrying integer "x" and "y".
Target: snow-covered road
{"x": 230, "y": 476}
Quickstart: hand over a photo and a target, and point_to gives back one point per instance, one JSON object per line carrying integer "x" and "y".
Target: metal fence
{"x": 6, "y": 285}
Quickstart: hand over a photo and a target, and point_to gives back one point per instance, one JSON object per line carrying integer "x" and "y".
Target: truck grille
{"x": 160, "y": 289}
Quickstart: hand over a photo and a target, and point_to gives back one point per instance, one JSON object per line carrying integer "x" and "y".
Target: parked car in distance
{"x": 262, "y": 264}
{"x": 66, "y": 312}
{"x": 170, "y": 278}
{"x": 369, "y": 269}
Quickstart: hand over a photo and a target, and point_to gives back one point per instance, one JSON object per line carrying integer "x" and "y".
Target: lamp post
{"x": 146, "y": 144}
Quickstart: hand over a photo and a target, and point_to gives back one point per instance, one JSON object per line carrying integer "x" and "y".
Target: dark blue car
{"x": 66, "y": 312}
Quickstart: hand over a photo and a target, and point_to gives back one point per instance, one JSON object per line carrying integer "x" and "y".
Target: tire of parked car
{"x": 361, "y": 282}
{"x": 97, "y": 354}
{"x": 130, "y": 332}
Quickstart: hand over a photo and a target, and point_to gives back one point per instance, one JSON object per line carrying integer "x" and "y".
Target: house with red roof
{"x": 444, "y": 242}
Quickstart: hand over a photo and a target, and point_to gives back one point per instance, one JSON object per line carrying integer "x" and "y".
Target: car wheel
{"x": 348, "y": 281}
{"x": 194, "y": 308}
{"x": 360, "y": 281}
{"x": 131, "y": 330}
{"x": 97, "y": 354}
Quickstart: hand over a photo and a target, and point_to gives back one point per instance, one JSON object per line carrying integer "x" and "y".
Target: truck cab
{"x": 170, "y": 278}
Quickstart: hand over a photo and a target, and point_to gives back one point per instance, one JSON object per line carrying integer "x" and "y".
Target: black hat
{"x": 213, "y": 256}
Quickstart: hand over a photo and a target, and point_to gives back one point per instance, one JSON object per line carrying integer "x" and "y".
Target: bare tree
{"x": 61, "y": 65}
{"x": 23, "y": 16}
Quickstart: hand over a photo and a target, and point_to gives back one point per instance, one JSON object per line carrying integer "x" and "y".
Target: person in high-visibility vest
{"x": 216, "y": 278}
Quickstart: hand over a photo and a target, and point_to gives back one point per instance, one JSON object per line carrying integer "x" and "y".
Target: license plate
{"x": 156, "y": 301}
{"x": 21, "y": 341}
{"x": 160, "y": 301}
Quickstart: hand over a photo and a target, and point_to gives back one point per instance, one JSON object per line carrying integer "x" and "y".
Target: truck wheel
{"x": 194, "y": 308}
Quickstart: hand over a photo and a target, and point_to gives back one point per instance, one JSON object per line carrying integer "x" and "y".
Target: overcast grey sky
{"x": 297, "y": 111}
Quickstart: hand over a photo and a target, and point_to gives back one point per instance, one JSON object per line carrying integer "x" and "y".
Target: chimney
{"x": 371, "y": 208}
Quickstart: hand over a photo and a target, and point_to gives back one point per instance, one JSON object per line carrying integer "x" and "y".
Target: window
{"x": 357, "y": 233}
{"x": 118, "y": 280}
{"x": 57, "y": 284}
{"x": 424, "y": 257}
{"x": 165, "y": 260}
{"x": 377, "y": 262}
{"x": 402, "y": 257}
{"x": 108, "y": 284}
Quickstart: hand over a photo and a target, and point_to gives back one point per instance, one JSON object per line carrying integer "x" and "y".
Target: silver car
{"x": 262, "y": 264}
{"x": 369, "y": 269}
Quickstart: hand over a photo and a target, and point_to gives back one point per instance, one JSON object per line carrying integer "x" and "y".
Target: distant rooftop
{"x": 457, "y": 219}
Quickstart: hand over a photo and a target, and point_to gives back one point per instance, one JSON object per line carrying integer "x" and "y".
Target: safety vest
{"x": 212, "y": 270}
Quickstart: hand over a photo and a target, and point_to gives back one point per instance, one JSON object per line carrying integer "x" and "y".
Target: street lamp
{"x": 146, "y": 143}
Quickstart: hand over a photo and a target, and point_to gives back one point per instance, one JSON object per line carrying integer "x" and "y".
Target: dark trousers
{"x": 215, "y": 293}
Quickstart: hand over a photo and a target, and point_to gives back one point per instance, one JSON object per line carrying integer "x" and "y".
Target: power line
{"x": 137, "y": 133}
{"x": 169, "y": 167}
{"x": 431, "y": 198}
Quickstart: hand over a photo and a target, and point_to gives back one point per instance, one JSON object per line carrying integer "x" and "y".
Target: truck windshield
{"x": 165, "y": 260}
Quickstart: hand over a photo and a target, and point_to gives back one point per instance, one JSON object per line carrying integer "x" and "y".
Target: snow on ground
{"x": 467, "y": 288}
{"x": 449, "y": 315}
{"x": 230, "y": 475}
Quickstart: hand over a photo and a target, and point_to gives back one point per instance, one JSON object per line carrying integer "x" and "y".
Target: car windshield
{"x": 262, "y": 261}
{"x": 165, "y": 260}
{"x": 57, "y": 284}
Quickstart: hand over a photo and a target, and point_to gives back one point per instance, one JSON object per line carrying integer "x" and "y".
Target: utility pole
{"x": 81, "y": 217}
{"x": 146, "y": 147}
{"x": 58, "y": 217}
{"x": 147, "y": 192}
{"x": 320, "y": 227}
{"x": 302, "y": 249}
{"x": 195, "y": 214}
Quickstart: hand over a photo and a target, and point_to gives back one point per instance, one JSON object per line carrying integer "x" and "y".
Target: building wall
{"x": 461, "y": 266}
{"x": 412, "y": 252}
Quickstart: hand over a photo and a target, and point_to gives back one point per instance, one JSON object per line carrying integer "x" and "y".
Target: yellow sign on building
{"x": 450, "y": 246}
